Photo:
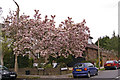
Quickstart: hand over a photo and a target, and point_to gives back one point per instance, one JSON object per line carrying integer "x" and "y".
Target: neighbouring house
{"x": 108, "y": 55}
{"x": 91, "y": 53}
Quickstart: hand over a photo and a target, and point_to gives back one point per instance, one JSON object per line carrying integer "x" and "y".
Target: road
{"x": 103, "y": 75}
{"x": 107, "y": 74}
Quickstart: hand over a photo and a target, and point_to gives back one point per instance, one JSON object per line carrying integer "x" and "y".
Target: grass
{"x": 70, "y": 76}
{"x": 102, "y": 69}
{"x": 70, "y": 71}
{"x": 30, "y": 77}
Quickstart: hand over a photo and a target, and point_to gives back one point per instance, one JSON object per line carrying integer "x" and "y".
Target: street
{"x": 107, "y": 74}
{"x": 103, "y": 75}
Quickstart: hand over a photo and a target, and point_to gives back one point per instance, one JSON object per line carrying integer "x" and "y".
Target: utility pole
{"x": 16, "y": 61}
{"x": 98, "y": 55}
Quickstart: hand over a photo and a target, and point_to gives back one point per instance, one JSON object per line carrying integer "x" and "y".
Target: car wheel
{"x": 96, "y": 73}
{"x": 88, "y": 75}
{"x": 74, "y": 76}
{"x": 115, "y": 68}
{"x": 106, "y": 69}
{"x": 13, "y": 79}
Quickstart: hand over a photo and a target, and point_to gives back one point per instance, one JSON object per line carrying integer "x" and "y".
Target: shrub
{"x": 62, "y": 65}
{"x": 48, "y": 66}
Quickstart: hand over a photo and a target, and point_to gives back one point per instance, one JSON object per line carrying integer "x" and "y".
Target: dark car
{"x": 112, "y": 64}
{"x": 119, "y": 63}
{"x": 84, "y": 69}
{"x": 7, "y": 74}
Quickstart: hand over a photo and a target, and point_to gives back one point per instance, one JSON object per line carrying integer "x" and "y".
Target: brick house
{"x": 91, "y": 53}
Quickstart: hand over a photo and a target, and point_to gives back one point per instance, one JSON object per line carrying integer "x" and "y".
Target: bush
{"x": 30, "y": 62}
{"x": 61, "y": 65}
{"x": 48, "y": 66}
{"x": 85, "y": 61}
{"x": 9, "y": 60}
{"x": 40, "y": 65}
{"x": 23, "y": 61}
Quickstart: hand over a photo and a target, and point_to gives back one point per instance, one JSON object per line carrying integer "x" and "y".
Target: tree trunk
{"x": 16, "y": 63}
{"x": 1, "y": 54}
{"x": 2, "y": 63}
{"x": 46, "y": 58}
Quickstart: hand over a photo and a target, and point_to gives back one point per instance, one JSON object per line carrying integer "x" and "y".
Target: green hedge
{"x": 23, "y": 61}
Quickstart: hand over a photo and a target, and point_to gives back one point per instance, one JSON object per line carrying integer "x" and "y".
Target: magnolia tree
{"x": 30, "y": 35}
{"x": 34, "y": 35}
{"x": 72, "y": 37}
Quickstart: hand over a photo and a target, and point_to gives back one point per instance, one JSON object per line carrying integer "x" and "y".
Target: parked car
{"x": 7, "y": 74}
{"x": 112, "y": 64}
{"x": 119, "y": 63}
{"x": 84, "y": 69}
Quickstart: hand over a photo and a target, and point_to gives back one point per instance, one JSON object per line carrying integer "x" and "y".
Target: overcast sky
{"x": 101, "y": 15}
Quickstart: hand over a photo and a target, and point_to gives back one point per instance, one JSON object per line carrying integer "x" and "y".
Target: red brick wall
{"x": 92, "y": 55}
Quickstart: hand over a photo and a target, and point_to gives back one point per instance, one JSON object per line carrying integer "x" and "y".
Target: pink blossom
{"x": 41, "y": 36}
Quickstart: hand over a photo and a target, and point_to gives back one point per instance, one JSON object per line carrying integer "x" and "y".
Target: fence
{"x": 42, "y": 71}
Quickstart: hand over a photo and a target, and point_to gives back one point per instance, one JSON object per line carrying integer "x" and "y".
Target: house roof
{"x": 92, "y": 46}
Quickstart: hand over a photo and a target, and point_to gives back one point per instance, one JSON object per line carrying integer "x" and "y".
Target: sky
{"x": 101, "y": 15}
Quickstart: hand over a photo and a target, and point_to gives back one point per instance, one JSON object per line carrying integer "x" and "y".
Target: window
{"x": 115, "y": 61}
{"x": 79, "y": 66}
{"x": 90, "y": 65}
{"x": 109, "y": 62}
{"x": 119, "y": 61}
{"x": 3, "y": 68}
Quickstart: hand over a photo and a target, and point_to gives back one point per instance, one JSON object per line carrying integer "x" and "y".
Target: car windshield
{"x": 0, "y": 67}
{"x": 119, "y": 61}
{"x": 3, "y": 67}
{"x": 109, "y": 62}
{"x": 79, "y": 66}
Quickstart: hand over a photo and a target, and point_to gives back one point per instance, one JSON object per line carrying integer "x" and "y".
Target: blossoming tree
{"x": 34, "y": 35}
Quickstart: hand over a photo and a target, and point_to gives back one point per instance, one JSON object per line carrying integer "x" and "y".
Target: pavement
{"x": 102, "y": 67}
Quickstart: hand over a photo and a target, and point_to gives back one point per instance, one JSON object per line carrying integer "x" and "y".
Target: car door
{"x": 119, "y": 63}
{"x": 0, "y": 72}
{"x": 116, "y": 64}
{"x": 92, "y": 69}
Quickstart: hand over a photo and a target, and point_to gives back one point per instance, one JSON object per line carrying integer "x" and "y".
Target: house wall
{"x": 108, "y": 56}
{"x": 92, "y": 55}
